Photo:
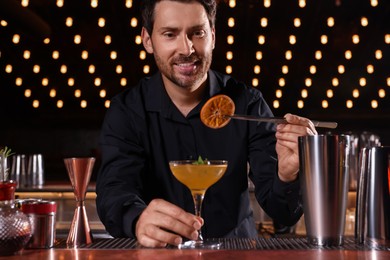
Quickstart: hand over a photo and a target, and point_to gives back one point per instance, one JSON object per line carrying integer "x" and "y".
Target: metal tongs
{"x": 280, "y": 120}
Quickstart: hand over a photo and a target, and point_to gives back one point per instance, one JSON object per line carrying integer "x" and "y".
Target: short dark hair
{"x": 148, "y": 6}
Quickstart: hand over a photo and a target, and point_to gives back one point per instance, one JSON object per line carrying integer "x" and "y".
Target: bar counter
{"x": 262, "y": 248}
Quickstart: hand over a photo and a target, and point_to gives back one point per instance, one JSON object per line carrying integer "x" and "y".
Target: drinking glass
{"x": 198, "y": 178}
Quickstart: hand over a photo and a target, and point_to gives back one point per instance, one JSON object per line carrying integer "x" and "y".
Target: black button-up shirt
{"x": 143, "y": 131}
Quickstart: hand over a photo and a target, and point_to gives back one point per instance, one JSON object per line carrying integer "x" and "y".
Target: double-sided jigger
{"x": 79, "y": 171}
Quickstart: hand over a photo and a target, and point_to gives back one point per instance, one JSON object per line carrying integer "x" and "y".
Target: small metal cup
{"x": 35, "y": 172}
{"x": 18, "y": 170}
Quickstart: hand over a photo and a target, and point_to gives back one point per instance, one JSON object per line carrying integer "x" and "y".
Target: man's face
{"x": 182, "y": 43}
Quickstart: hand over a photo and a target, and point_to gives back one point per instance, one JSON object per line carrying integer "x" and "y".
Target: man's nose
{"x": 186, "y": 46}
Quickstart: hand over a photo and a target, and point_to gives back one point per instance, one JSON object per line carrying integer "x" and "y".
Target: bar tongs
{"x": 280, "y": 120}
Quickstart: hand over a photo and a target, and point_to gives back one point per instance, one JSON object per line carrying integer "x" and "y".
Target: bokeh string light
{"x": 299, "y": 58}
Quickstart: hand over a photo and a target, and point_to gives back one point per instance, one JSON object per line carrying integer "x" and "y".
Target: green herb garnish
{"x": 200, "y": 161}
{"x": 4, "y": 153}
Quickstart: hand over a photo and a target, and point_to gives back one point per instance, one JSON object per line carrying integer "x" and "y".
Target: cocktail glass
{"x": 198, "y": 178}
{"x": 79, "y": 171}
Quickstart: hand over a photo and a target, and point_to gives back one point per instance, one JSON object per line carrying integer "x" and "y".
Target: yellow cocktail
{"x": 198, "y": 178}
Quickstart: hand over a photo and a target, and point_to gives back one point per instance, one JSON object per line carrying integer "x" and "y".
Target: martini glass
{"x": 198, "y": 178}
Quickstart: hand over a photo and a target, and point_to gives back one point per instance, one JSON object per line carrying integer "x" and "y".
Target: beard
{"x": 185, "y": 79}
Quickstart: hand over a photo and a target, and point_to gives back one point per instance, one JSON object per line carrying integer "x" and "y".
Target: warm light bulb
{"x": 259, "y": 55}
{"x": 261, "y": 39}
{"x": 138, "y": 40}
{"x": 84, "y": 55}
{"x": 229, "y": 69}
{"x": 378, "y": 54}
{"x": 313, "y": 69}
{"x": 300, "y": 104}
{"x": 325, "y": 104}
{"x": 36, "y": 68}
{"x": 370, "y": 69}
{"x": 107, "y": 104}
{"x": 288, "y": 55}
{"x": 308, "y": 82}
{"x": 329, "y": 93}
{"x": 324, "y": 39}
{"x": 63, "y": 69}
{"x": 231, "y": 22}
{"x": 364, "y": 21}
{"x": 35, "y": 104}
{"x": 146, "y": 69}
{"x": 8, "y": 68}
{"x": 348, "y": 54}
{"x": 229, "y": 55}
{"x": 304, "y": 93}
{"x": 381, "y": 93}
{"x": 27, "y": 93}
{"x": 282, "y": 82}
{"x": 113, "y": 55}
{"x": 77, "y": 93}
{"x": 69, "y": 21}
{"x": 276, "y": 104}
{"x": 267, "y": 3}
{"x": 302, "y": 3}
{"x": 123, "y": 82}
{"x": 355, "y": 39}
{"x": 97, "y": 82}
{"x": 230, "y": 39}
{"x": 55, "y": 55}
{"x": 91, "y": 69}
{"x": 26, "y": 54}
{"x": 330, "y": 21}
{"x": 129, "y": 3}
{"x": 263, "y": 22}
{"x": 318, "y": 55}
{"x": 107, "y": 39}
{"x": 133, "y": 22}
{"x": 60, "y": 104}
{"x": 297, "y": 22}
{"x": 77, "y": 39}
{"x": 255, "y": 82}
{"x": 232, "y": 3}
{"x": 292, "y": 39}
{"x": 83, "y": 104}
{"x": 355, "y": 93}
{"x": 18, "y": 81}
{"x": 101, "y": 22}
{"x": 349, "y": 104}
{"x": 71, "y": 82}
{"x": 142, "y": 55}
{"x": 45, "y": 82}
{"x": 102, "y": 93}
{"x": 341, "y": 69}
{"x": 53, "y": 93}
{"x": 362, "y": 82}
{"x": 119, "y": 69}
{"x": 257, "y": 69}
{"x": 284, "y": 69}
{"x": 278, "y": 93}
{"x": 335, "y": 82}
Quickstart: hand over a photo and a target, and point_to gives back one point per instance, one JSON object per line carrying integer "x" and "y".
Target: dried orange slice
{"x": 215, "y": 111}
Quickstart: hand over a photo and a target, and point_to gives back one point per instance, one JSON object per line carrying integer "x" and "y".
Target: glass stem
{"x": 198, "y": 200}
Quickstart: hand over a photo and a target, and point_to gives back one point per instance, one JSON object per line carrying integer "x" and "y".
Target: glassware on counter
{"x": 15, "y": 227}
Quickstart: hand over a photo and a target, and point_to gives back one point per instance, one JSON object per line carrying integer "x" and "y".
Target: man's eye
{"x": 169, "y": 35}
{"x": 199, "y": 33}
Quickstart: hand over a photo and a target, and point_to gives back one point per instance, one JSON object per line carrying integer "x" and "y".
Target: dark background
{"x": 73, "y": 131}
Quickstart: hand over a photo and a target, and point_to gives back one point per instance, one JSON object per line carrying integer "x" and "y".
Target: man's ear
{"x": 146, "y": 40}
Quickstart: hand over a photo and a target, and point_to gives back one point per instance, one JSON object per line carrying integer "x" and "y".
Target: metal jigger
{"x": 79, "y": 171}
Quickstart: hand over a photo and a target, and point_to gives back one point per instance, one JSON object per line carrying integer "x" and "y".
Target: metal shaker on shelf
{"x": 372, "y": 224}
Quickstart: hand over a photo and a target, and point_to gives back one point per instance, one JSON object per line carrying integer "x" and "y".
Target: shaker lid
{"x": 39, "y": 207}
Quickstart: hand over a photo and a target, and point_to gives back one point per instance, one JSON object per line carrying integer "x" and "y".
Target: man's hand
{"x": 163, "y": 223}
{"x": 287, "y": 144}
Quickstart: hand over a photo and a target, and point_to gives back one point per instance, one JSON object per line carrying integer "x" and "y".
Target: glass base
{"x": 200, "y": 244}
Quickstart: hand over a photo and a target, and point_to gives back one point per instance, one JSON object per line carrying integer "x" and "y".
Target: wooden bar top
{"x": 163, "y": 254}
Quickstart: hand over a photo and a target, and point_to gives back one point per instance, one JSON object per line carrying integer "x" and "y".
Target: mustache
{"x": 186, "y": 59}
